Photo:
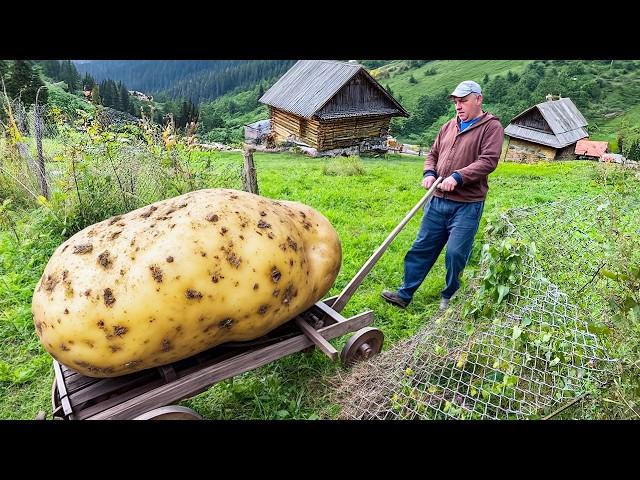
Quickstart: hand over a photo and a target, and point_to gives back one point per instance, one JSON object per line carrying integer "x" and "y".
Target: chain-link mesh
{"x": 533, "y": 354}
{"x": 100, "y": 164}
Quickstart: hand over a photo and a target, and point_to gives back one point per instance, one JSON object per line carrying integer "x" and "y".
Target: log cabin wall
{"x": 358, "y": 95}
{"x": 286, "y": 124}
{"x": 533, "y": 119}
{"x": 327, "y": 134}
{"x": 347, "y": 132}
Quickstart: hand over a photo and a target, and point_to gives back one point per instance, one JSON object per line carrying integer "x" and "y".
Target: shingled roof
{"x": 307, "y": 86}
{"x": 564, "y": 119}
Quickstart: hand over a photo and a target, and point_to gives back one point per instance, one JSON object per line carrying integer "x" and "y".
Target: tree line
{"x": 199, "y": 80}
{"x": 22, "y": 80}
{"x": 595, "y": 88}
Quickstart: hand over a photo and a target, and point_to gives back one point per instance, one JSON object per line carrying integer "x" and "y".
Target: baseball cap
{"x": 465, "y": 88}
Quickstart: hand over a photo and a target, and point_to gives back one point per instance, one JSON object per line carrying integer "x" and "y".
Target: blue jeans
{"x": 445, "y": 222}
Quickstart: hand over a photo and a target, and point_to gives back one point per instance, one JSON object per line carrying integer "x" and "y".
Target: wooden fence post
{"x": 42, "y": 174}
{"x": 249, "y": 177}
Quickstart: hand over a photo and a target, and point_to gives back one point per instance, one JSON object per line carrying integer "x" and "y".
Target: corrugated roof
{"x": 562, "y": 116}
{"x": 591, "y": 148}
{"x": 543, "y": 138}
{"x": 310, "y": 84}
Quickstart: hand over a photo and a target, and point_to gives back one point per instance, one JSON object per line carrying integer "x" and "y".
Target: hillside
{"x": 604, "y": 91}
{"x": 434, "y": 76}
{"x": 198, "y": 80}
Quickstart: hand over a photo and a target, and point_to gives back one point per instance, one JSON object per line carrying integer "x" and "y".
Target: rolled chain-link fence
{"x": 534, "y": 353}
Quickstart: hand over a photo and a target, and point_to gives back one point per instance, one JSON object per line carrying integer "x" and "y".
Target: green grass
{"x": 363, "y": 208}
{"x": 449, "y": 74}
{"x": 607, "y": 130}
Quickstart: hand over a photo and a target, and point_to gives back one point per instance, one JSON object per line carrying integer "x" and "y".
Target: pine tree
{"x": 260, "y": 92}
{"x": 125, "y": 104}
{"x": 88, "y": 82}
{"x": 95, "y": 95}
{"x": 69, "y": 74}
{"x": 106, "y": 94}
{"x": 51, "y": 68}
{"x": 116, "y": 95}
{"x": 23, "y": 81}
{"x": 4, "y": 68}
{"x": 19, "y": 76}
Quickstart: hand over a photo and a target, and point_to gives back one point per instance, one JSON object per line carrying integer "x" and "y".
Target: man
{"x": 465, "y": 152}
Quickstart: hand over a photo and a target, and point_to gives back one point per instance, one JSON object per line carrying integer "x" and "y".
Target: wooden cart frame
{"x": 77, "y": 397}
{"x": 148, "y": 394}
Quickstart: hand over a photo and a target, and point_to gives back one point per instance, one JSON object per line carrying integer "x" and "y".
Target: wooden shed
{"x": 546, "y": 131}
{"x": 591, "y": 149}
{"x": 331, "y": 105}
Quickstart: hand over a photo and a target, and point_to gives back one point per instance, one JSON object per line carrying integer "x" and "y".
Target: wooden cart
{"x": 149, "y": 394}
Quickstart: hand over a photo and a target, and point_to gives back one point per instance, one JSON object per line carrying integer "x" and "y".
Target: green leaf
{"x": 598, "y": 330}
{"x": 517, "y": 331}
{"x": 628, "y": 303}
{"x": 526, "y": 322}
{"x": 609, "y": 274}
{"x": 502, "y": 291}
{"x": 553, "y": 362}
{"x": 469, "y": 329}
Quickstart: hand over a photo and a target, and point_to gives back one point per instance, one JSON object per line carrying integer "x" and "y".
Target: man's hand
{"x": 448, "y": 184}
{"x": 428, "y": 181}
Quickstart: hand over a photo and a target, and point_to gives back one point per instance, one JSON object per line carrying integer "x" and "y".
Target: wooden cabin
{"x": 330, "y": 105}
{"x": 546, "y": 131}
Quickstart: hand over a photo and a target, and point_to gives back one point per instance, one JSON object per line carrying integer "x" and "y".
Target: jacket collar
{"x": 484, "y": 118}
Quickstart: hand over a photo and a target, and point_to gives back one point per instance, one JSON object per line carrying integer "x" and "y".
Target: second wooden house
{"x": 546, "y": 131}
{"x": 331, "y": 105}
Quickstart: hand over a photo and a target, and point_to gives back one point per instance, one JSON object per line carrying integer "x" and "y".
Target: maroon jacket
{"x": 474, "y": 154}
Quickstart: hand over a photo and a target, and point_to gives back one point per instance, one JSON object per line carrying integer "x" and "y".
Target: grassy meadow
{"x": 364, "y": 204}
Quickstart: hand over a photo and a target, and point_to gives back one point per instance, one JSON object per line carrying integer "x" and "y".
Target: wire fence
{"x": 102, "y": 164}
{"x": 536, "y": 353}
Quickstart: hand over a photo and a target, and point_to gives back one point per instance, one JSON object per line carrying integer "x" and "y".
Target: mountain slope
{"x": 448, "y": 73}
{"x": 197, "y": 80}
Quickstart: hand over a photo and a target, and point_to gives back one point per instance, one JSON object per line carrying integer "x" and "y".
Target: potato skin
{"x": 180, "y": 276}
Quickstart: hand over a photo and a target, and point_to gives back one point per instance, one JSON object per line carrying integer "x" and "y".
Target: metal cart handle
{"x": 353, "y": 285}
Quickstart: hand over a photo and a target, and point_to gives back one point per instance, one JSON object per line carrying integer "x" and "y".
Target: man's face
{"x": 468, "y": 107}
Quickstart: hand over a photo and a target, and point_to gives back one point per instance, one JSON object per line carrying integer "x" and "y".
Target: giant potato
{"x": 182, "y": 275}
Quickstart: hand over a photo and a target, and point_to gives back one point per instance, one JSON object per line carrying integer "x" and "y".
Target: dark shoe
{"x": 444, "y": 304}
{"x": 393, "y": 297}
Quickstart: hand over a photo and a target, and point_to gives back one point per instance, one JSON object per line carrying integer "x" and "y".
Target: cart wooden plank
{"x": 111, "y": 385}
{"x": 316, "y": 338}
{"x": 196, "y": 382}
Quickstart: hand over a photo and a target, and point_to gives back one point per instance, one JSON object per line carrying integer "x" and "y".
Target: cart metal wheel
{"x": 170, "y": 412}
{"x": 362, "y": 345}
